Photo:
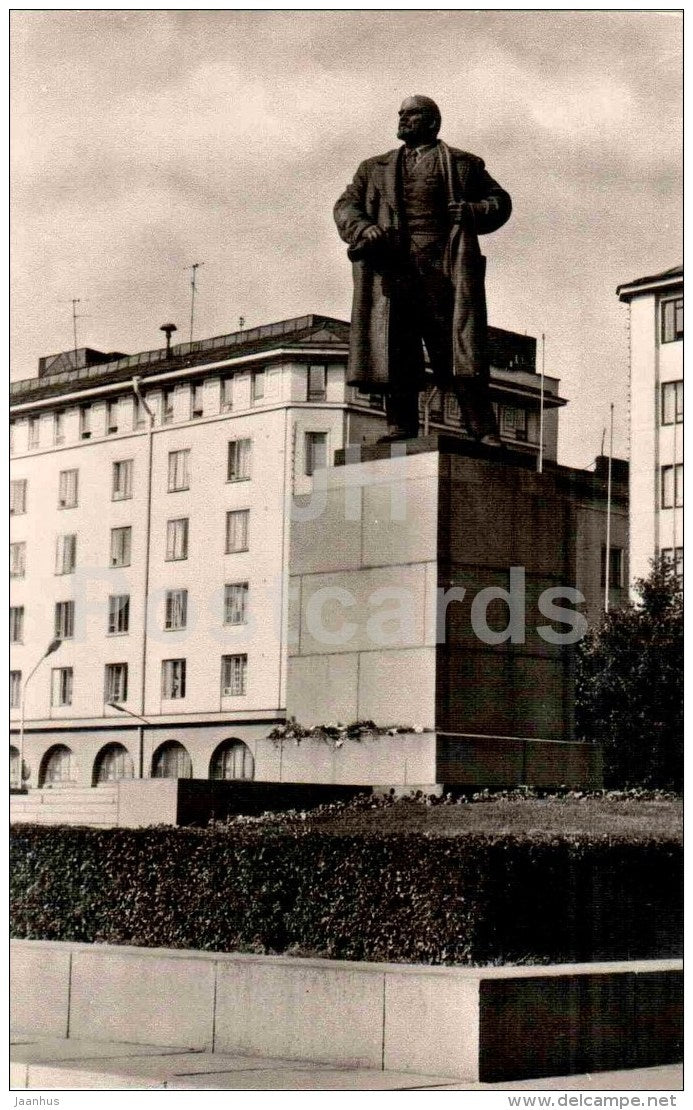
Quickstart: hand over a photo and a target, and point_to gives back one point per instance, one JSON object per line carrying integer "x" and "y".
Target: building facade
{"x": 151, "y": 504}
{"x": 655, "y": 306}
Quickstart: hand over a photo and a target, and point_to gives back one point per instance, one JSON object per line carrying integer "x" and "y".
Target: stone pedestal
{"x": 398, "y": 567}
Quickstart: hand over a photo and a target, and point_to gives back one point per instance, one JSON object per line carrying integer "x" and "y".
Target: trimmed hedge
{"x": 453, "y": 900}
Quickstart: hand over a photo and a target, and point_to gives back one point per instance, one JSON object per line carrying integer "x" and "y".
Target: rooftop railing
{"x": 179, "y": 351}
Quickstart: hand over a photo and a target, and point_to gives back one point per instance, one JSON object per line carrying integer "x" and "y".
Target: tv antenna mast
{"x": 74, "y": 301}
{"x": 193, "y": 286}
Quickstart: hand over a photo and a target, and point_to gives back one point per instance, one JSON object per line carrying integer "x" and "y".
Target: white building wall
{"x": 277, "y": 425}
{"x": 653, "y": 445}
{"x": 277, "y": 430}
{"x": 644, "y": 462}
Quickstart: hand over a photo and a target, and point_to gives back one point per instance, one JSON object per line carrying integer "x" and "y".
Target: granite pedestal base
{"x": 424, "y": 586}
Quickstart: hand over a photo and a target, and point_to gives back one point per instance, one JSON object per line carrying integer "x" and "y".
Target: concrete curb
{"x": 476, "y": 1024}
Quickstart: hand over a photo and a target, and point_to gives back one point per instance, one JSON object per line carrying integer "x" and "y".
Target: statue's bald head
{"x": 419, "y": 120}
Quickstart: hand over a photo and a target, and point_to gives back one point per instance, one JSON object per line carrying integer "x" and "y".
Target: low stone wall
{"x": 477, "y": 1024}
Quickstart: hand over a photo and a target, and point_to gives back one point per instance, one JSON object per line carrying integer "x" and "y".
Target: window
{"x": 171, "y": 761}
{"x": 12, "y": 437}
{"x": 234, "y": 672}
{"x": 65, "y": 554}
{"x": 118, "y": 613}
{"x": 317, "y": 383}
{"x": 452, "y": 412}
{"x": 177, "y": 539}
{"x": 15, "y": 775}
{"x": 672, "y": 320}
{"x": 17, "y": 560}
{"x": 85, "y": 422}
{"x": 121, "y": 545}
{"x": 257, "y": 385}
{"x": 235, "y": 603}
{"x": 197, "y": 406}
{"x": 113, "y": 762}
{"x": 227, "y": 393}
{"x": 237, "y": 530}
{"x": 139, "y": 413}
{"x": 513, "y": 422}
{"x": 112, "y": 417}
{"x": 57, "y": 765}
{"x": 58, "y": 427}
{"x": 167, "y": 406}
{"x": 61, "y": 686}
{"x": 17, "y": 624}
{"x": 122, "y": 480}
{"x": 116, "y": 682}
{"x": 15, "y": 689}
{"x": 316, "y": 451}
{"x": 232, "y": 760}
{"x": 34, "y": 432}
{"x": 674, "y": 555}
{"x": 373, "y": 400}
{"x": 173, "y": 678}
{"x": 238, "y": 466}
{"x": 67, "y": 489}
{"x": 64, "y": 620}
{"x": 672, "y": 486}
{"x": 435, "y": 410}
{"x": 178, "y": 477}
{"x": 615, "y": 567}
{"x": 672, "y": 402}
{"x": 17, "y": 497}
{"x": 176, "y": 609}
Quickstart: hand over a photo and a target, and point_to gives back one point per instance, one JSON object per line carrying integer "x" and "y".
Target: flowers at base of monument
{"x": 335, "y": 733}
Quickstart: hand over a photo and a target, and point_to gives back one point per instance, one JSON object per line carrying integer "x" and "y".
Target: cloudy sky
{"x": 144, "y": 141}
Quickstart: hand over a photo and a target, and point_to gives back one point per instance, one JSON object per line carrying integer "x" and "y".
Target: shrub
{"x": 629, "y": 694}
{"x": 453, "y": 900}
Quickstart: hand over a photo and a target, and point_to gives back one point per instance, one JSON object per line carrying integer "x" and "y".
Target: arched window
{"x": 232, "y": 760}
{"x": 15, "y": 780}
{"x": 112, "y": 763}
{"x": 171, "y": 761}
{"x": 57, "y": 766}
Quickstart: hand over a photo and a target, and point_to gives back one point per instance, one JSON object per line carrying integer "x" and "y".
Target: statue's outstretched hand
{"x": 372, "y": 233}
{"x": 460, "y": 212}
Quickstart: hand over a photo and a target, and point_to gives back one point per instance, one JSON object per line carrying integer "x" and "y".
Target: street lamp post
{"x": 53, "y": 646}
{"x": 140, "y": 731}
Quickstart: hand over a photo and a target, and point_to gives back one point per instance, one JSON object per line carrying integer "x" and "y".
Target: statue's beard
{"x": 414, "y": 138}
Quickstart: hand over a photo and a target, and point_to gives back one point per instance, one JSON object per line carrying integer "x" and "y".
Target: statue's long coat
{"x": 374, "y": 197}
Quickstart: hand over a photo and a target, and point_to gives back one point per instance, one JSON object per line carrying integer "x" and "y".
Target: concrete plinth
{"x": 421, "y": 592}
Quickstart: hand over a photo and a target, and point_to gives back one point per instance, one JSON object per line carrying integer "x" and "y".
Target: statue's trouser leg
{"x": 402, "y": 410}
{"x": 402, "y": 397}
{"x": 476, "y": 408}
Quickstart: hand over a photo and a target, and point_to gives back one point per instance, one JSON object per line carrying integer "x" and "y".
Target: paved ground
{"x": 52, "y": 1064}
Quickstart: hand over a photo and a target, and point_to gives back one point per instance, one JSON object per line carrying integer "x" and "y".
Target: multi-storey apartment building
{"x": 655, "y": 305}
{"x": 151, "y": 503}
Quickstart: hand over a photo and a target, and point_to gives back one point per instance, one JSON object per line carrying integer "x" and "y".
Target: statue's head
{"x": 419, "y": 120}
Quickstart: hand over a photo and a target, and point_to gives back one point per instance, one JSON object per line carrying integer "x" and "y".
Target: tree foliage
{"x": 630, "y": 685}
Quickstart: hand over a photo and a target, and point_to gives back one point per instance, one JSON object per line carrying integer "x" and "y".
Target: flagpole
{"x": 607, "y": 555}
{"x": 540, "y": 460}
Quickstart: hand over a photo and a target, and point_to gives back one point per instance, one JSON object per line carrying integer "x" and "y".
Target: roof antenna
{"x": 168, "y": 328}
{"x": 75, "y": 302}
{"x": 75, "y": 317}
{"x": 194, "y": 268}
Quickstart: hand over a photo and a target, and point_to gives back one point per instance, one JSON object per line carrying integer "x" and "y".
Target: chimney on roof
{"x": 168, "y": 328}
